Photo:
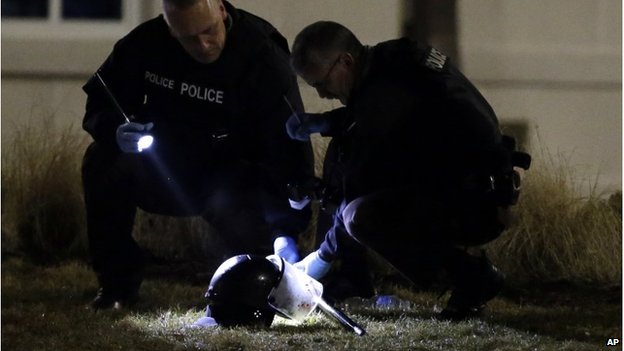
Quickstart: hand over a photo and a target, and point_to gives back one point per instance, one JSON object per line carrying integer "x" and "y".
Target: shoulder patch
{"x": 435, "y": 60}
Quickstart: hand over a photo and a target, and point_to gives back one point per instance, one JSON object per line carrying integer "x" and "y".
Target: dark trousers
{"x": 352, "y": 275}
{"x": 422, "y": 235}
{"x": 238, "y": 198}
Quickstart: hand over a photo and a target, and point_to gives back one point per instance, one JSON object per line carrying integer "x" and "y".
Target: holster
{"x": 505, "y": 185}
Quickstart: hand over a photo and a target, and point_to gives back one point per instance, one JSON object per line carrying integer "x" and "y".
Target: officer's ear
{"x": 221, "y": 8}
{"x": 347, "y": 60}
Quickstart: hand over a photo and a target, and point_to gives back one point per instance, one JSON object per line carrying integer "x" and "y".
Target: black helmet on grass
{"x": 239, "y": 289}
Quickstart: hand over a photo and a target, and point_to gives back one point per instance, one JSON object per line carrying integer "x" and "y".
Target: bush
{"x": 180, "y": 239}
{"x": 42, "y": 205}
{"x": 559, "y": 234}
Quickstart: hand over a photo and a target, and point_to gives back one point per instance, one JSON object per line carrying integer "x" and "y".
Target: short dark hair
{"x": 318, "y": 39}
{"x": 182, "y": 3}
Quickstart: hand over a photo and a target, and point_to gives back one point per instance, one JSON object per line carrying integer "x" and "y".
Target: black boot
{"x": 117, "y": 292}
{"x": 105, "y": 299}
{"x": 476, "y": 282}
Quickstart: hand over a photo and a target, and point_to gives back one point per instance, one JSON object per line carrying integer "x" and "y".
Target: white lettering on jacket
{"x": 201, "y": 93}
{"x": 160, "y": 81}
{"x": 187, "y": 89}
{"x": 435, "y": 60}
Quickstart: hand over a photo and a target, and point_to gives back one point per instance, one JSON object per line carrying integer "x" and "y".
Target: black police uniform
{"x": 417, "y": 145}
{"x": 220, "y": 148}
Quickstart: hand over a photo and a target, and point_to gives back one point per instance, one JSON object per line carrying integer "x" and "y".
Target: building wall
{"x": 554, "y": 65}
{"x": 557, "y": 66}
{"x": 43, "y": 68}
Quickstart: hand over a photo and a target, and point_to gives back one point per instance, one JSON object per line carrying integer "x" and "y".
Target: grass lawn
{"x": 557, "y": 233}
{"x": 45, "y": 308}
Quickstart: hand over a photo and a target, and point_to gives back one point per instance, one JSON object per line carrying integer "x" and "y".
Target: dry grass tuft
{"x": 558, "y": 233}
{"x": 42, "y": 206}
{"x": 178, "y": 238}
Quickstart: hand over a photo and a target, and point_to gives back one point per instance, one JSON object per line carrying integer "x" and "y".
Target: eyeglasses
{"x": 323, "y": 82}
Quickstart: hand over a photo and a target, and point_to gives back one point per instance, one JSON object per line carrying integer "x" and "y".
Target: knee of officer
{"x": 96, "y": 158}
{"x": 358, "y": 217}
{"x": 89, "y": 160}
{"x": 105, "y": 169}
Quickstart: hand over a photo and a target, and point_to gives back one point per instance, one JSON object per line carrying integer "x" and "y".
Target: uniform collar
{"x": 232, "y": 16}
{"x": 362, "y": 69}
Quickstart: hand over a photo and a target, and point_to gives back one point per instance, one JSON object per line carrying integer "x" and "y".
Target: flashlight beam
{"x": 112, "y": 97}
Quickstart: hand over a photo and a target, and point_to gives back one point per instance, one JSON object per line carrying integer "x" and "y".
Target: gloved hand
{"x": 313, "y": 265}
{"x": 300, "y": 125}
{"x": 301, "y": 193}
{"x": 286, "y": 248}
{"x": 299, "y": 205}
{"x": 129, "y": 133}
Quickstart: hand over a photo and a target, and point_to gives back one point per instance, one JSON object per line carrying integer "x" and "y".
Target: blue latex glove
{"x": 129, "y": 133}
{"x": 286, "y": 248}
{"x": 299, "y": 126}
{"x": 314, "y": 266}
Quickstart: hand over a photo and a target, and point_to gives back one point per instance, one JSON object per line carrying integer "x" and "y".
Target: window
{"x": 65, "y": 36}
{"x": 109, "y": 9}
{"x": 64, "y": 9}
{"x": 25, "y": 8}
{"x": 62, "y": 18}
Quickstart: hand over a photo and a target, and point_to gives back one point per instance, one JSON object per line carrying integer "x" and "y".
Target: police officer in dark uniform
{"x": 426, "y": 171}
{"x": 212, "y": 85}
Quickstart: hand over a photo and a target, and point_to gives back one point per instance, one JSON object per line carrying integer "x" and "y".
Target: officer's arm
{"x": 270, "y": 93}
{"x": 337, "y": 120}
{"x": 122, "y": 77}
{"x": 477, "y": 134}
{"x": 265, "y": 93}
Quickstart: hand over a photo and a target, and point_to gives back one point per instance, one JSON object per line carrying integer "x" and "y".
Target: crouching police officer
{"x": 426, "y": 171}
{"x": 212, "y": 85}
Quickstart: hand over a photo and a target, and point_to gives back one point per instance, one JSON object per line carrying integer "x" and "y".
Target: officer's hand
{"x": 300, "y": 125}
{"x": 128, "y": 135}
{"x": 314, "y": 266}
{"x": 299, "y": 205}
{"x": 286, "y": 248}
{"x": 297, "y": 196}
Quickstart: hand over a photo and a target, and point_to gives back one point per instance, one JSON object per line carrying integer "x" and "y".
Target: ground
{"x": 45, "y": 308}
